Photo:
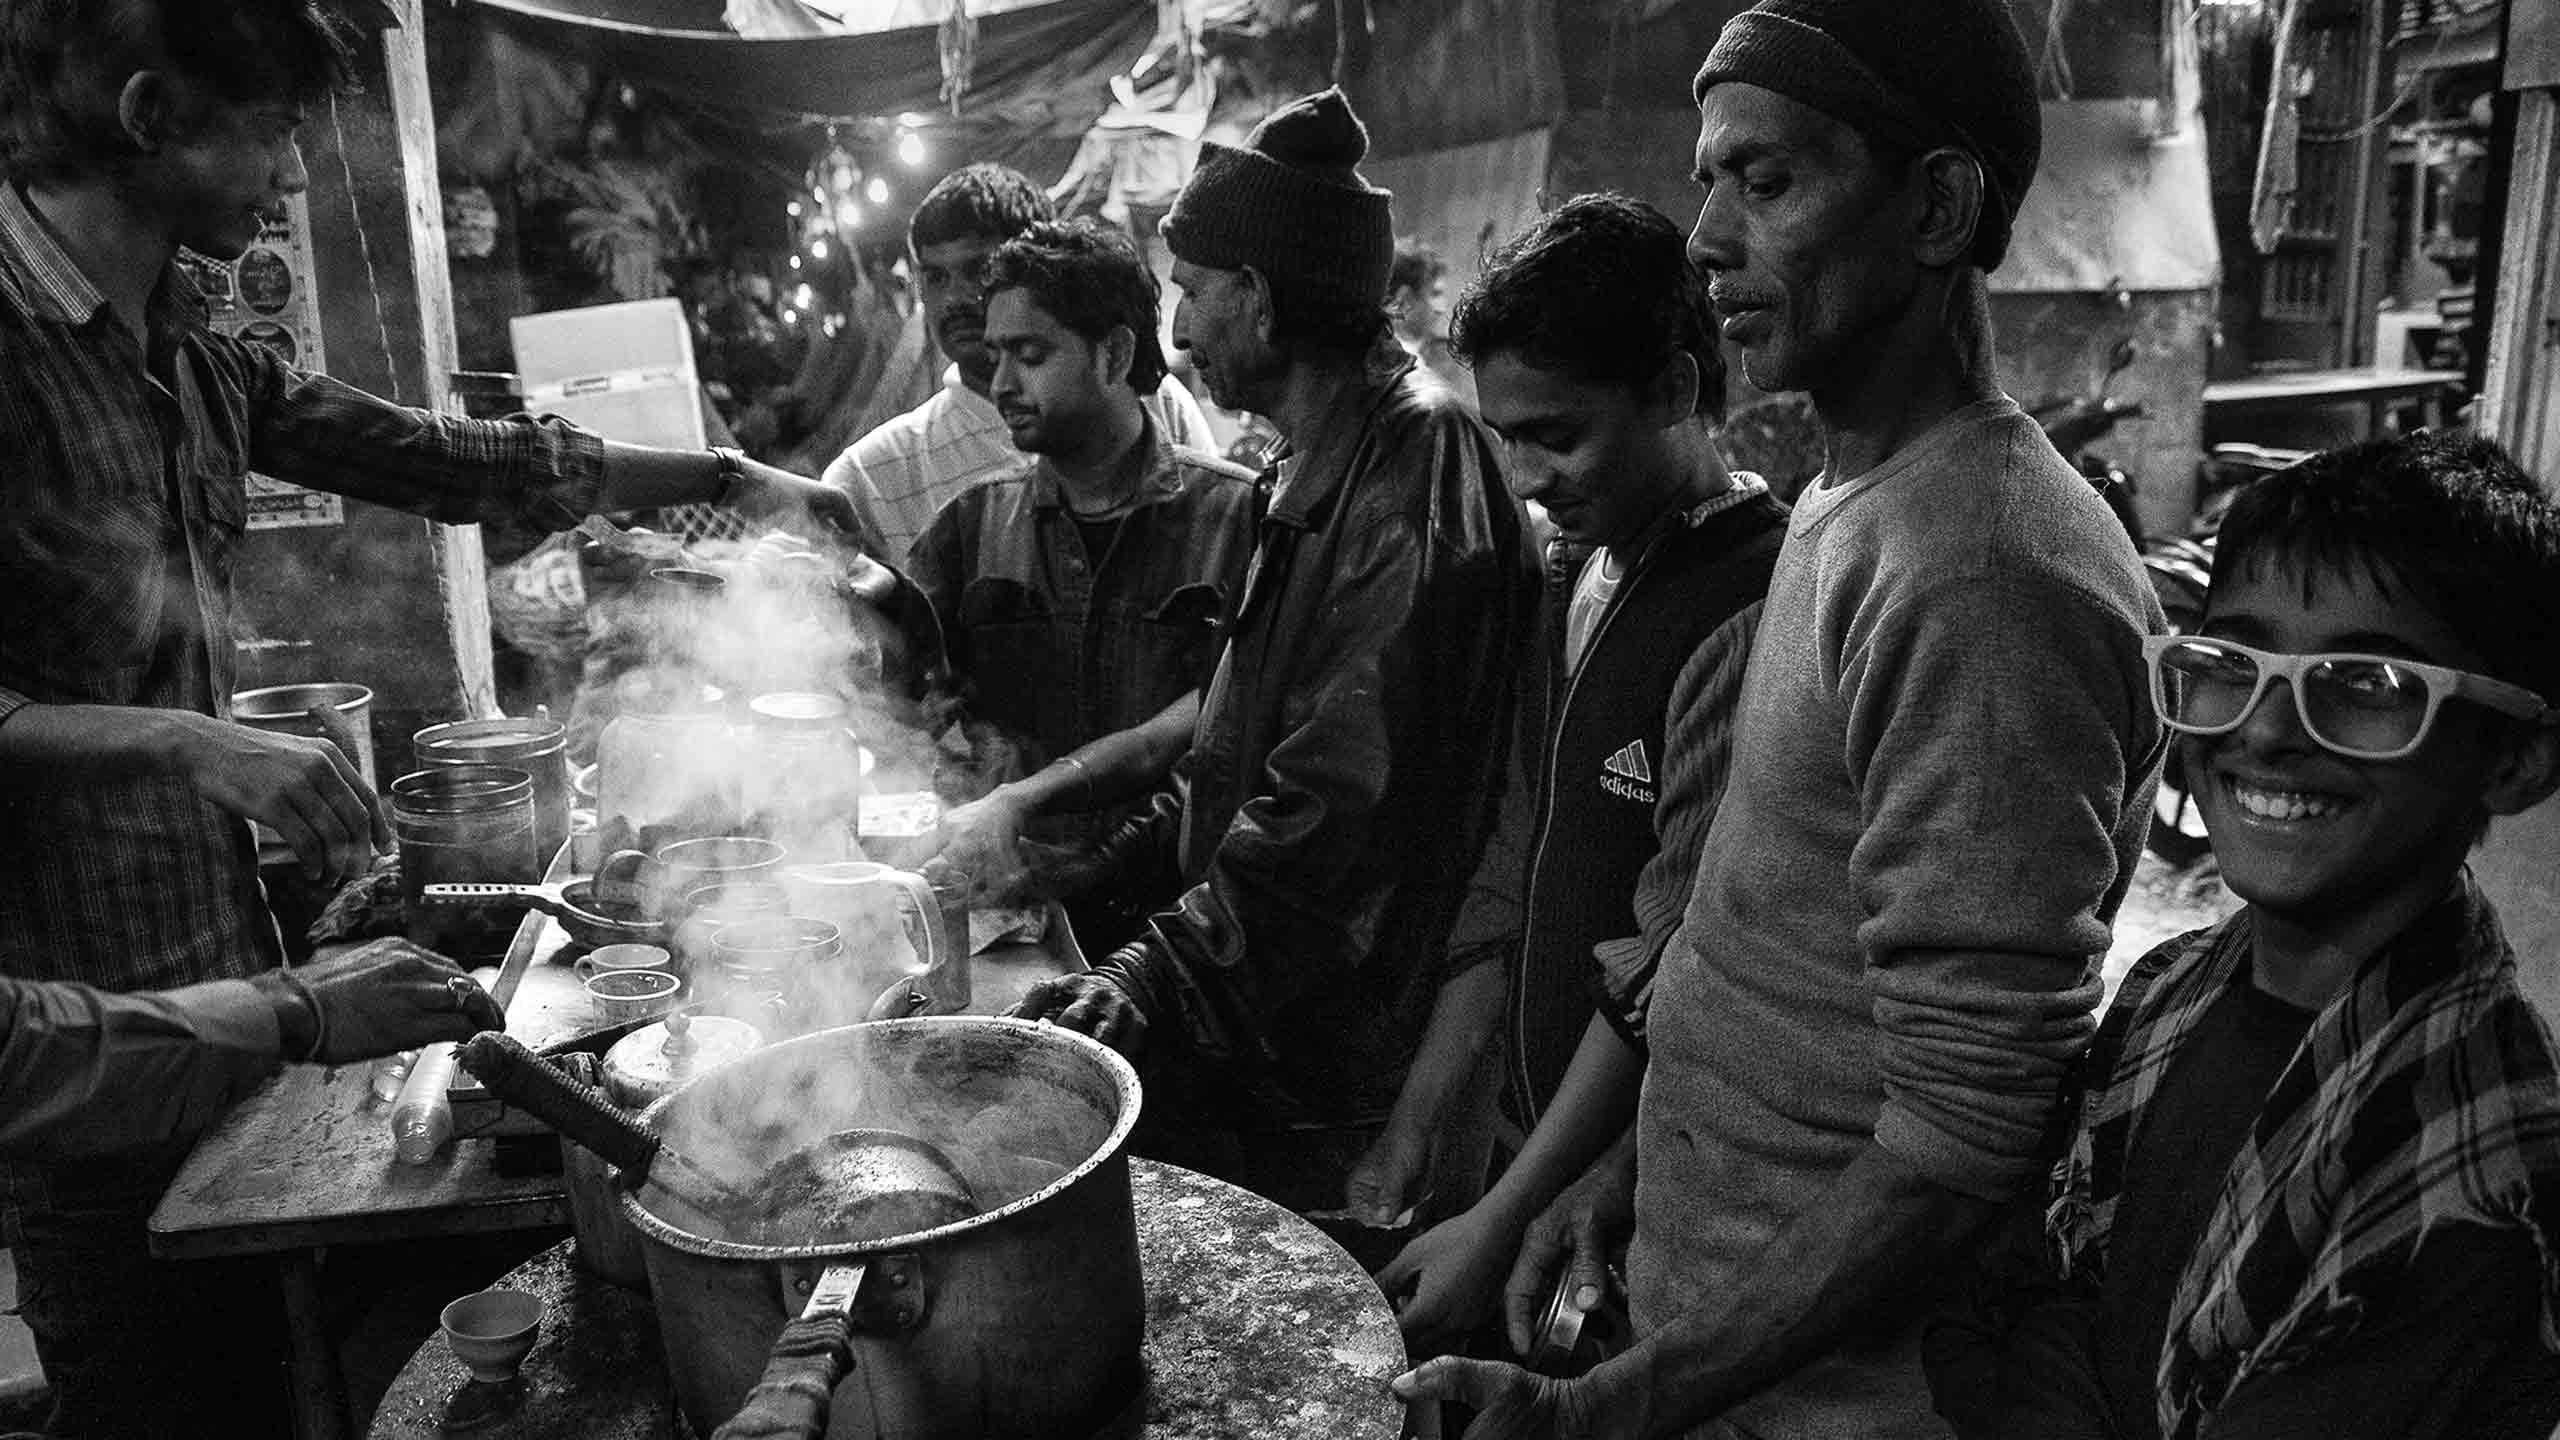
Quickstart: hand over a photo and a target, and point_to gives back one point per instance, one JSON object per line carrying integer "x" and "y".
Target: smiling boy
{"x": 2314, "y": 1186}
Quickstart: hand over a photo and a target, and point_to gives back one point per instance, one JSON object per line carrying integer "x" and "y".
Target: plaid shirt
{"x": 2425, "y": 1094}
{"x": 124, "y": 514}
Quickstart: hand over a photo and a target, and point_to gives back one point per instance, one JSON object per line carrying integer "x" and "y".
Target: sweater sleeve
{"x": 2001, "y": 743}
{"x": 1697, "y": 759}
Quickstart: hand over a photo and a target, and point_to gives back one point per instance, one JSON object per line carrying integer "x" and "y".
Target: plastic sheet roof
{"x": 1042, "y": 58}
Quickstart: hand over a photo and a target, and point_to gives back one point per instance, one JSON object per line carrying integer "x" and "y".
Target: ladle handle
{"x": 578, "y": 1111}
{"x": 480, "y": 892}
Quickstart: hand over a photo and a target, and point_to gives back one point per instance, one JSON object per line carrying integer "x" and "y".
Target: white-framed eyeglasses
{"x": 2365, "y": 707}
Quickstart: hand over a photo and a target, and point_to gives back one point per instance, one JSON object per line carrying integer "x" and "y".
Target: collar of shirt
{"x": 1161, "y": 481}
{"x": 51, "y": 285}
{"x": 44, "y": 276}
{"x": 1310, "y": 476}
{"x": 972, "y": 404}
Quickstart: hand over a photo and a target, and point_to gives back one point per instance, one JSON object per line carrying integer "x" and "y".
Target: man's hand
{"x": 983, "y": 841}
{"x": 1383, "y": 1185}
{"x": 1510, "y": 1403}
{"x": 795, "y": 502}
{"x": 1575, "y": 1235}
{"x": 1449, "y": 1279}
{"x": 390, "y": 995}
{"x": 305, "y": 789}
{"x": 1089, "y": 1004}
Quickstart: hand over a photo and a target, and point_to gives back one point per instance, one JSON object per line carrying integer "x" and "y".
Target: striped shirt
{"x": 902, "y": 473}
{"x": 123, "y": 509}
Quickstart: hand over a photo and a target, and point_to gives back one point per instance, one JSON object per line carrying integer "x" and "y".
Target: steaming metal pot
{"x": 1022, "y": 1320}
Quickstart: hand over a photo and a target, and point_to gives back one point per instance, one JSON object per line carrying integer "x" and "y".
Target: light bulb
{"x": 877, "y": 190}
{"x": 910, "y": 149}
{"x": 818, "y": 248}
{"x": 849, "y": 215}
{"x": 790, "y": 316}
{"x": 793, "y": 209}
{"x": 795, "y": 262}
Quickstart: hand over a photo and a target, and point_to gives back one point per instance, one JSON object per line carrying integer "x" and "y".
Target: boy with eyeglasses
{"x": 2313, "y": 1180}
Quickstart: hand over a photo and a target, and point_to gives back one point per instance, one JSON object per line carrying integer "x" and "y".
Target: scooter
{"x": 2075, "y": 422}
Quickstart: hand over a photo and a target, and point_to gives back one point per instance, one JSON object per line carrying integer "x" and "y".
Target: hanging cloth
{"x": 2279, "y": 141}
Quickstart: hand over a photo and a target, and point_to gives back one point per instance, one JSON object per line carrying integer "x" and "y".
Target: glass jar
{"x": 802, "y": 779}
{"x": 463, "y": 824}
{"x": 705, "y": 910}
{"x": 778, "y": 964}
{"x": 666, "y": 769}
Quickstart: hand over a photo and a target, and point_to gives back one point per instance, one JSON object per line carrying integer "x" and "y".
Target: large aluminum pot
{"x": 1032, "y": 1311}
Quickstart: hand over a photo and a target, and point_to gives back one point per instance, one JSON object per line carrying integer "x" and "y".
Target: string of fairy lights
{"x": 841, "y": 195}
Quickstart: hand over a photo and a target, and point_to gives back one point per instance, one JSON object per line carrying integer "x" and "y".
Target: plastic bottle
{"x": 422, "y": 1118}
{"x": 390, "y": 1072}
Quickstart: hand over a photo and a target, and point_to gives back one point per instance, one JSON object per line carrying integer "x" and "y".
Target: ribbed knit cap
{"x": 1918, "y": 73}
{"x": 1292, "y": 205}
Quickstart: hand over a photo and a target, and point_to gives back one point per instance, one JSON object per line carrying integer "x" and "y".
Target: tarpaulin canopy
{"x": 1037, "y": 64}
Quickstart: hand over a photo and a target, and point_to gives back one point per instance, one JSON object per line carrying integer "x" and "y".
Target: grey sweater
{"x": 1941, "y": 776}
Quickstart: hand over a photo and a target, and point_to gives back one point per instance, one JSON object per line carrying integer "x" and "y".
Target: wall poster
{"x": 271, "y": 295}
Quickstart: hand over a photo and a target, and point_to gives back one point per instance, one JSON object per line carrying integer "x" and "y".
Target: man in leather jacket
{"x": 1343, "y": 775}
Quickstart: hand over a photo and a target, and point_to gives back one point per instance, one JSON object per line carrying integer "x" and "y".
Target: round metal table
{"x": 1257, "y": 1325}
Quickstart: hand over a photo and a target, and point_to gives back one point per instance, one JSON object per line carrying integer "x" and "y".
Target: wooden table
{"x": 2376, "y": 390}
{"x": 306, "y": 1162}
{"x": 1257, "y": 1324}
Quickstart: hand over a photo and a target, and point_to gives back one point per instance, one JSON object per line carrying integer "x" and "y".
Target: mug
{"x": 890, "y": 921}
{"x": 688, "y": 865}
{"x": 607, "y": 959}
{"x": 626, "y": 995}
{"x": 708, "y": 907}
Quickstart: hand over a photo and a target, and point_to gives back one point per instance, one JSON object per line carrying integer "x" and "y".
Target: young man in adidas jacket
{"x": 1595, "y": 361}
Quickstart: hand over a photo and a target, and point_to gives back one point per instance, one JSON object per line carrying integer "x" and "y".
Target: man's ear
{"x": 1258, "y": 304}
{"x": 1671, "y": 397}
{"x": 2528, "y": 771}
{"x": 145, "y": 109}
{"x": 1119, "y": 355}
{"x": 1951, "y": 193}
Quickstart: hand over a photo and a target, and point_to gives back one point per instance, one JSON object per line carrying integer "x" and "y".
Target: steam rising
{"x": 756, "y": 692}
{"x": 762, "y": 691}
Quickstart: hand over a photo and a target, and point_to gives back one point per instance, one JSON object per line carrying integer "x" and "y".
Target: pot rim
{"x": 1124, "y": 1079}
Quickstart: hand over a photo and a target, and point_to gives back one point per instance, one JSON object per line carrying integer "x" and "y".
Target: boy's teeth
{"x": 2281, "y": 804}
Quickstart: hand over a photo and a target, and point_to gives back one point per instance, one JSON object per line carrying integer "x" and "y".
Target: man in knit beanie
{"x": 1348, "y": 749}
{"x": 1941, "y": 773}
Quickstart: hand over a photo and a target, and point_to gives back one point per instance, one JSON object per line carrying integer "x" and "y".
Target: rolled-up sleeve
{"x": 2000, "y": 740}
{"x": 526, "y": 477}
{"x": 84, "y": 1070}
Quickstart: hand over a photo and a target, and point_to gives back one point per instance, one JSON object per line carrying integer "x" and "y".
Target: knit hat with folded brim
{"x": 1916, "y": 73}
{"x": 1291, "y": 204}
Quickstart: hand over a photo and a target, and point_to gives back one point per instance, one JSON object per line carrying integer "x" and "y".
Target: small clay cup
{"x": 492, "y": 1331}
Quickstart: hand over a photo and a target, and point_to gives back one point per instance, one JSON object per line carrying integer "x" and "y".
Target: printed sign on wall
{"x": 271, "y": 296}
